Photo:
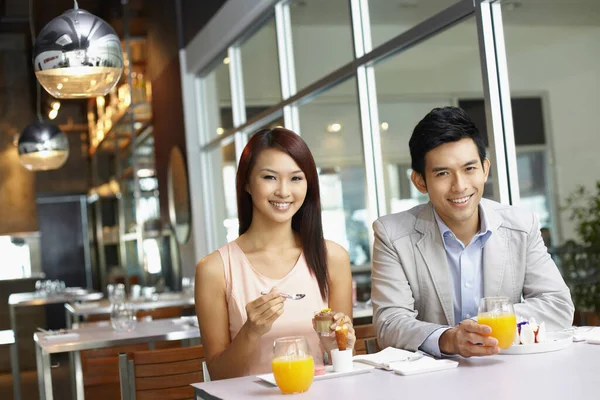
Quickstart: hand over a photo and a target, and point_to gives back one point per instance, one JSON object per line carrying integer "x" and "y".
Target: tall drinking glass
{"x": 293, "y": 364}
{"x": 498, "y": 313}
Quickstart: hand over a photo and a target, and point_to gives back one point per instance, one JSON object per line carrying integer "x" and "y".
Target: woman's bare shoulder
{"x": 336, "y": 254}
{"x": 210, "y": 266}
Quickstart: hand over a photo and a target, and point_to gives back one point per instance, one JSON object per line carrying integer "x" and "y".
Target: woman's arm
{"x": 340, "y": 292}
{"x": 226, "y": 358}
{"x": 340, "y": 278}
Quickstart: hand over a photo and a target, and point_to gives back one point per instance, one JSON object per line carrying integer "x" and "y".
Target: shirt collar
{"x": 483, "y": 233}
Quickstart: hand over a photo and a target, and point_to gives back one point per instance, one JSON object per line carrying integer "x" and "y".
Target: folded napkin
{"x": 62, "y": 336}
{"x": 422, "y": 365}
{"x": 385, "y": 358}
{"x": 585, "y": 333}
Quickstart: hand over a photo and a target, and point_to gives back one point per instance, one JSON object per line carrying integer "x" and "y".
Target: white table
{"x": 99, "y": 335}
{"x": 74, "y": 312}
{"x": 571, "y": 373}
{"x": 38, "y": 299}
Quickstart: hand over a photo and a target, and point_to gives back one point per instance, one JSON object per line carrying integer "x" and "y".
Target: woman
{"x": 280, "y": 250}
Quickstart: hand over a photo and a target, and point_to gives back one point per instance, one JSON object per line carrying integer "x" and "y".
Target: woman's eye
{"x": 269, "y": 177}
{"x": 297, "y": 178}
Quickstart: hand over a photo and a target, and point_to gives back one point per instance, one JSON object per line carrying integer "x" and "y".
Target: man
{"x": 432, "y": 264}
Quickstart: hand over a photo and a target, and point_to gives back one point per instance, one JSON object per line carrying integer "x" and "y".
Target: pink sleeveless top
{"x": 244, "y": 284}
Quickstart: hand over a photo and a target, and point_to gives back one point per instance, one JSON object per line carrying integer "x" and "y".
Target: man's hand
{"x": 469, "y": 339}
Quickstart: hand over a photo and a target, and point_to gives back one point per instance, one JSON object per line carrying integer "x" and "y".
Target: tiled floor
{"x": 29, "y": 386}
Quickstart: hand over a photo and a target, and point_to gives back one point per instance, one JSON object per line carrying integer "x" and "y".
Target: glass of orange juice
{"x": 293, "y": 364}
{"x": 499, "y": 314}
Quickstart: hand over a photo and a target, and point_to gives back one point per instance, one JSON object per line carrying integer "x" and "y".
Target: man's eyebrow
{"x": 468, "y": 163}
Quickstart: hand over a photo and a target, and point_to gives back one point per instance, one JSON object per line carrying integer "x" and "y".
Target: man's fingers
{"x": 474, "y": 327}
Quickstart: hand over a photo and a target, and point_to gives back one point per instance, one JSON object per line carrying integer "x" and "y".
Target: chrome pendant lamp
{"x": 42, "y": 146}
{"x": 77, "y": 55}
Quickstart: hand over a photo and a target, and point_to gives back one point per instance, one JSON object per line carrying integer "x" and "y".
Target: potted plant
{"x": 579, "y": 259}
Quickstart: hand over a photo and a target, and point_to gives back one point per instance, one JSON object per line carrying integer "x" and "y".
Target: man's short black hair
{"x": 440, "y": 126}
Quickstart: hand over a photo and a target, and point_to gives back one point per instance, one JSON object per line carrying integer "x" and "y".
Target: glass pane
{"x": 555, "y": 124}
{"x": 331, "y": 128}
{"x": 322, "y": 38}
{"x": 222, "y": 188}
{"x": 411, "y": 84}
{"x": 217, "y": 89}
{"x": 260, "y": 70}
{"x": 391, "y": 18}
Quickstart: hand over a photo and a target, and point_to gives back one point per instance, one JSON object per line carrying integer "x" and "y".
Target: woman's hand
{"x": 339, "y": 319}
{"x": 263, "y": 311}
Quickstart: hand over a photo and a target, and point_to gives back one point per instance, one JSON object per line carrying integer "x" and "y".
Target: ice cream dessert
{"x": 530, "y": 332}
{"x": 341, "y": 337}
{"x": 323, "y": 321}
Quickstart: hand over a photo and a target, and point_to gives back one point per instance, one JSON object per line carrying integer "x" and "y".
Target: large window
{"x": 549, "y": 59}
{"x": 411, "y": 84}
{"x": 321, "y": 38}
{"x": 330, "y": 126}
{"x": 355, "y": 87}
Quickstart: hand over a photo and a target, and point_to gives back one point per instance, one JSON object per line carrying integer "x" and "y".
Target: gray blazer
{"x": 412, "y": 289}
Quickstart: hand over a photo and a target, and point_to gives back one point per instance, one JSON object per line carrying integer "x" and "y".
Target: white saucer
{"x": 556, "y": 341}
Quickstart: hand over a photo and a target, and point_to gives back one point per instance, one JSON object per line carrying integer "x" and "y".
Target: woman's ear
{"x": 247, "y": 189}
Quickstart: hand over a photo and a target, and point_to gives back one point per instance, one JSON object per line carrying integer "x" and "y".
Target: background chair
{"x": 366, "y": 339}
{"x": 161, "y": 374}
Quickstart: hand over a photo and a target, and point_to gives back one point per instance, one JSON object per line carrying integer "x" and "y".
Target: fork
{"x": 297, "y": 296}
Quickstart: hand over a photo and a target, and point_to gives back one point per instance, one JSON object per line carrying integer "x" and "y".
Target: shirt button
{"x": 467, "y": 284}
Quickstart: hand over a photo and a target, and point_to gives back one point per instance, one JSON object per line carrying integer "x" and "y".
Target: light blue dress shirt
{"x": 466, "y": 272}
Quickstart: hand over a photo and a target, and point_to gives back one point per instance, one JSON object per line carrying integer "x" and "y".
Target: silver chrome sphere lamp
{"x": 42, "y": 146}
{"x": 77, "y": 55}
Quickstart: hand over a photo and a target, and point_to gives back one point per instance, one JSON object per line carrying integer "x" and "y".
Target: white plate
{"x": 358, "y": 368}
{"x": 556, "y": 341}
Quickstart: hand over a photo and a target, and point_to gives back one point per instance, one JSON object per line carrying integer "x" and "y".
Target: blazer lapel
{"x": 495, "y": 256}
{"x": 433, "y": 252}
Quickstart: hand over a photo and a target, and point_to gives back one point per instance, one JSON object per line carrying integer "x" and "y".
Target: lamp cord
{"x": 37, "y": 84}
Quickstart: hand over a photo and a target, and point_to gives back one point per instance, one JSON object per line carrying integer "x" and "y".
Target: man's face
{"x": 454, "y": 181}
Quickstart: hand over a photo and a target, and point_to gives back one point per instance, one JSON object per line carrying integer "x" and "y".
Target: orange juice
{"x": 504, "y": 327}
{"x": 293, "y": 374}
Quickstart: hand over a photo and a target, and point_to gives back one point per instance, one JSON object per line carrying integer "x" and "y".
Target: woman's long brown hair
{"x": 307, "y": 221}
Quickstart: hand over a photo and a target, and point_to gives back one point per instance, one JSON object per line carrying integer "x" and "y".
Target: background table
{"x": 38, "y": 299}
{"x": 75, "y": 311}
{"x": 99, "y": 335}
{"x": 571, "y": 373}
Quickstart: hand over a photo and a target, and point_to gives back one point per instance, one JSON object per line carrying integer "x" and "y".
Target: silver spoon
{"x": 297, "y": 296}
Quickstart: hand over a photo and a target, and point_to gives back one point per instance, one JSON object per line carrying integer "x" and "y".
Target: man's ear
{"x": 419, "y": 182}
{"x": 486, "y": 168}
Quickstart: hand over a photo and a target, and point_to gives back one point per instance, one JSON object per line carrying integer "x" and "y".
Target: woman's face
{"x": 277, "y": 185}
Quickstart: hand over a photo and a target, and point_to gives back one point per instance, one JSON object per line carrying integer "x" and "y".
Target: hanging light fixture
{"x": 77, "y": 55}
{"x": 42, "y": 146}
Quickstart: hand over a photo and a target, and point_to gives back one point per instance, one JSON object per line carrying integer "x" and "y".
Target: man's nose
{"x": 459, "y": 184}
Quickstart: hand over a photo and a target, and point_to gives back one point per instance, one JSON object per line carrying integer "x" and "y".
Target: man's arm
{"x": 546, "y": 296}
{"x": 394, "y": 315}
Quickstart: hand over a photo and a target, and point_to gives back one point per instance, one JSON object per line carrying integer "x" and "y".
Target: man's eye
{"x": 471, "y": 168}
{"x": 443, "y": 173}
